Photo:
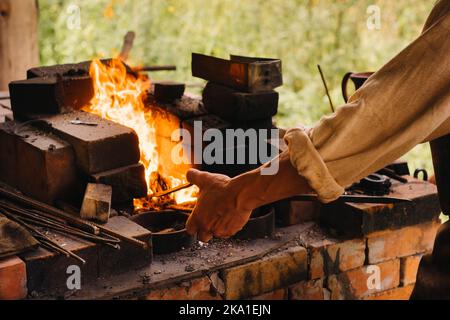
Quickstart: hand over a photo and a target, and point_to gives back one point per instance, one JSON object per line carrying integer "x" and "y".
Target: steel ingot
{"x": 168, "y": 229}
{"x": 260, "y": 225}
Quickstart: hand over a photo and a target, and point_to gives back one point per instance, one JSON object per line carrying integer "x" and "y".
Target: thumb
{"x": 197, "y": 177}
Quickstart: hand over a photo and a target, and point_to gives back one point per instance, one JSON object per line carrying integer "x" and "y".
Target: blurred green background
{"x": 303, "y": 33}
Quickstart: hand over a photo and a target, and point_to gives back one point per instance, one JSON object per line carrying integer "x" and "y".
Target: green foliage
{"x": 303, "y": 33}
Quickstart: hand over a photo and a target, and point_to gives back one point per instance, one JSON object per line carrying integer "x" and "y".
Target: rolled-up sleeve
{"x": 405, "y": 103}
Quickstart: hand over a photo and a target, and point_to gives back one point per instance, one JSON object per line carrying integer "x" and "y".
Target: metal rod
{"x": 85, "y": 225}
{"x": 155, "y": 68}
{"x": 353, "y": 198}
{"x": 172, "y": 190}
{"x": 42, "y": 237}
{"x": 326, "y": 87}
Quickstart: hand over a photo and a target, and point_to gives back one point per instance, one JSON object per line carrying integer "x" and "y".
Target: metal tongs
{"x": 354, "y": 198}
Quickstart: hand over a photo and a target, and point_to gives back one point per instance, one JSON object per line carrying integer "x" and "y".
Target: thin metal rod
{"x": 85, "y": 225}
{"x": 172, "y": 190}
{"x": 326, "y": 87}
{"x": 155, "y": 68}
{"x": 353, "y": 198}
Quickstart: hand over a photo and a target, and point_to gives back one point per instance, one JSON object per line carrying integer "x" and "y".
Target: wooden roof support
{"x": 18, "y": 39}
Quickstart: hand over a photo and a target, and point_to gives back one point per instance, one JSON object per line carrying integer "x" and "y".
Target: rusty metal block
{"x": 240, "y": 73}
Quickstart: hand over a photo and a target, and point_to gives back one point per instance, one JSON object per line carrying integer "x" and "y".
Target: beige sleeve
{"x": 405, "y": 103}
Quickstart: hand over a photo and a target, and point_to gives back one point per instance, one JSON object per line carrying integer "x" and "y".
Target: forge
{"x": 87, "y": 159}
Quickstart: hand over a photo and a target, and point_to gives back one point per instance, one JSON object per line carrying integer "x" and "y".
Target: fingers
{"x": 197, "y": 177}
{"x": 191, "y": 226}
{"x": 204, "y": 236}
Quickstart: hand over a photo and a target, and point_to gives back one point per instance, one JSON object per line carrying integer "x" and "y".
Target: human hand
{"x": 218, "y": 211}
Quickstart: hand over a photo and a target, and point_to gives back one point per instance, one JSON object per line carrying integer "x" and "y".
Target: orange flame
{"x": 119, "y": 97}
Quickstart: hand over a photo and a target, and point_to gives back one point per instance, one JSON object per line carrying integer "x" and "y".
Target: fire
{"x": 119, "y": 96}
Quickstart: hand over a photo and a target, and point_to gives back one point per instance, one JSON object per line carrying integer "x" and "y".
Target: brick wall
{"x": 378, "y": 266}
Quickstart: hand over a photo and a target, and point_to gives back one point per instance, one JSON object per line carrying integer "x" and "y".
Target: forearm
{"x": 255, "y": 189}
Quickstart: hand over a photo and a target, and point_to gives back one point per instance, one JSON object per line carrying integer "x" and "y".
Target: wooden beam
{"x": 18, "y": 39}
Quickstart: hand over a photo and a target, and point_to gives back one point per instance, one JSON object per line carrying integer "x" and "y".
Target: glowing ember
{"x": 119, "y": 97}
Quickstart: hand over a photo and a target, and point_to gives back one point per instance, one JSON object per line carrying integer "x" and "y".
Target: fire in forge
{"x": 224, "y": 150}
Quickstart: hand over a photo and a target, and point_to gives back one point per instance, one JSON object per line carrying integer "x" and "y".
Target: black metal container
{"x": 260, "y": 225}
{"x": 168, "y": 229}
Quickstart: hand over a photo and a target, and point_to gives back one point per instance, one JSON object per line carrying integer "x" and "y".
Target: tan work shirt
{"x": 405, "y": 103}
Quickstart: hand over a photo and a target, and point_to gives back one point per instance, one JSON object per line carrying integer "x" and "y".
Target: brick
{"x": 280, "y": 294}
{"x": 49, "y": 95}
{"x": 129, "y": 257}
{"x": 237, "y": 107}
{"x": 401, "y": 293}
{"x": 331, "y": 255}
{"x": 268, "y": 274}
{"x": 197, "y": 289}
{"x": 48, "y": 270}
{"x": 389, "y": 244}
{"x": 168, "y": 91}
{"x": 38, "y": 163}
{"x": 68, "y": 69}
{"x": 408, "y": 269}
{"x": 13, "y": 279}
{"x": 355, "y": 220}
{"x": 127, "y": 182}
{"x": 354, "y": 284}
{"x": 106, "y": 146}
{"x": 8, "y": 155}
{"x": 309, "y": 290}
{"x": 289, "y": 213}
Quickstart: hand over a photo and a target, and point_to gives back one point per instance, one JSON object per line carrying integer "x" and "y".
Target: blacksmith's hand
{"x": 218, "y": 212}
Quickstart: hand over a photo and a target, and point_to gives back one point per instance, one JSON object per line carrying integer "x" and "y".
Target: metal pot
{"x": 260, "y": 225}
{"x": 168, "y": 229}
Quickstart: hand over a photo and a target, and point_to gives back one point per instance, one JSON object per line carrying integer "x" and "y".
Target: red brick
{"x": 401, "y": 293}
{"x": 289, "y": 213}
{"x": 40, "y": 164}
{"x": 329, "y": 255}
{"x": 197, "y": 289}
{"x": 309, "y": 290}
{"x": 354, "y": 284}
{"x": 100, "y": 148}
{"x": 279, "y": 294}
{"x": 13, "y": 279}
{"x": 390, "y": 244}
{"x": 408, "y": 269}
{"x": 270, "y": 273}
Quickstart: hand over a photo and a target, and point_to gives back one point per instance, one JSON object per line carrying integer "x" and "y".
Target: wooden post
{"x": 18, "y": 39}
